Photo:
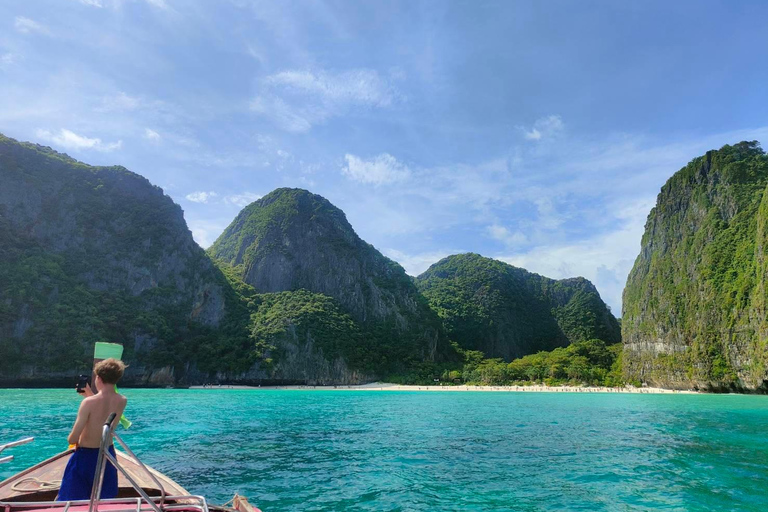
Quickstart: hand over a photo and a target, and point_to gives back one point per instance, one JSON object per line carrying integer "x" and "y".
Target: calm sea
{"x": 377, "y": 451}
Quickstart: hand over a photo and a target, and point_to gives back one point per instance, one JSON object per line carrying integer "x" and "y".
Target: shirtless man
{"x": 94, "y": 410}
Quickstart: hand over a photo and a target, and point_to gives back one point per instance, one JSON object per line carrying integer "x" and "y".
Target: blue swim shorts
{"x": 77, "y": 482}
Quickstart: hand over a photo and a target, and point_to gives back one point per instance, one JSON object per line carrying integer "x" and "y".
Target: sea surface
{"x": 379, "y": 451}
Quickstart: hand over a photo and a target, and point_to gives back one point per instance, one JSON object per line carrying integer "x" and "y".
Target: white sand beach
{"x": 384, "y": 386}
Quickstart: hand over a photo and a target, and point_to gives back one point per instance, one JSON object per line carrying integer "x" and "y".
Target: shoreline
{"x": 384, "y": 386}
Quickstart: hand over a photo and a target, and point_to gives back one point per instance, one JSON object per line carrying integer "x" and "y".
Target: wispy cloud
{"x": 506, "y": 236}
{"x": 210, "y": 197}
{"x": 415, "y": 264}
{"x": 578, "y": 207}
{"x": 28, "y": 26}
{"x": 242, "y": 200}
{"x": 119, "y": 102}
{"x": 201, "y": 197}
{"x": 205, "y": 231}
{"x": 7, "y": 59}
{"x": 68, "y": 139}
{"x": 544, "y": 128}
{"x": 379, "y": 170}
{"x": 298, "y": 100}
{"x": 160, "y": 4}
{"x": 92, "y": 3}
{"x": 151, "y": 135}
{"x": 605, "y": 258}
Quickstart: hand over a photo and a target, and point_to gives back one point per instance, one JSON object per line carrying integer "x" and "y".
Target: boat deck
{"x": 41, "y": 481}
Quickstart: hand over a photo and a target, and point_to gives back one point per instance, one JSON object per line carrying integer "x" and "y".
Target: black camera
{"x": 82, "y": 381}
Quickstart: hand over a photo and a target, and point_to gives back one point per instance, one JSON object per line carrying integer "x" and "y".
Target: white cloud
{"x": 92, "y": 3}
{"x": 507, "y": 237}
{"x": 416, "y": 264}
{"x": 70, "y": 140}
{"x": 201, "y": 197}
{"x": 7, "y": 59}
{"x": 605, "y": 259}
{"x": 205, "y": 232}
{"x": 151, "y": 135}
{"x": 582, "y": 204}
{"x": 242, "y": 200}
{"x": 297, "y": 100}
{"x": 548, "y": 216}
{"x": 285, "y": 116}
{"x": 379, "y": 170}
{"x": 160, "y": 4}
{"x": 363, "y": 86}
{"x": 119, "y": 102}
{"x": 27, "y": 26}
{"x": 544, "y": 127}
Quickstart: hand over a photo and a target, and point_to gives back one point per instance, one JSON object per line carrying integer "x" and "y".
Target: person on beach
{"x": 86, "y": 433}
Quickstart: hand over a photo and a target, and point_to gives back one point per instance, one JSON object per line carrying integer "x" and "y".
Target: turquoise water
{"x": 368, "y": 450}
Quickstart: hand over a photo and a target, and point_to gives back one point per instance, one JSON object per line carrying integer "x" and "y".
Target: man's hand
{"x": 88, "y": 391}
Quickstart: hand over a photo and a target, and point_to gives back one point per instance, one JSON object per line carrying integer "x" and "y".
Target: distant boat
{"x": 140, "y": 488}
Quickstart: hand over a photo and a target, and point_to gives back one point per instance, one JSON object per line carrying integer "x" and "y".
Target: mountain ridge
{"x": 292, "y": 239}
{"x": 508, "y": 312}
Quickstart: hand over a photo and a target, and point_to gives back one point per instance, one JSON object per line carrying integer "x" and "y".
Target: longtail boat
{"x": 140, "y": 488}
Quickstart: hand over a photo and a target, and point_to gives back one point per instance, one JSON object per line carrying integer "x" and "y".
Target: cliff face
{"x": 292, "y": 240}
{"x": 507, "y": 312}
{"x": 91, "y": 253}
{"x": 305, "y": 337}
{"x": 694, "y": 312}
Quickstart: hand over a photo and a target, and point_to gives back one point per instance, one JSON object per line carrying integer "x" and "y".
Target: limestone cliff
{"x": 92, "y": 253}
{"x": 694, "y": 312}
{"x": 291, "y": 240}
{"x": 508, "y": 312}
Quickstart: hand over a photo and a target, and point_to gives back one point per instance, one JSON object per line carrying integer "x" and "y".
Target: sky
{"x": 537, "y": 133}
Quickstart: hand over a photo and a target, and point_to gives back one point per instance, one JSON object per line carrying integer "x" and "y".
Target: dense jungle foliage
{"x": 99, "y": 254}
{"x": 591, "y": 362}
{"x": 507, "y": 312}
{"x": 694, "y": 305}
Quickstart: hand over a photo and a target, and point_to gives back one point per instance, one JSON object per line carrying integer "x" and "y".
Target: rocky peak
{"x": 292, "y": 239}
{"x": 508, "y": 312}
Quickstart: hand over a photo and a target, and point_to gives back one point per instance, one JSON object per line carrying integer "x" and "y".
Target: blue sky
{"x": 538, "y": 133}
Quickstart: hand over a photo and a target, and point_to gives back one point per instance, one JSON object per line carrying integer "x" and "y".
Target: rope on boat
{"x": 231, "y": 501}
{"x": 42, "y": 485}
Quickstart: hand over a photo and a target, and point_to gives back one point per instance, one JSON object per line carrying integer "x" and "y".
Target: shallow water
{"x": 369, "y": 450}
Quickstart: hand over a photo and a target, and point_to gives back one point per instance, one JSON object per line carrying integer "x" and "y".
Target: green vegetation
{"x": 273, "y": 216}
{"x": 590, "y": 362}
{"x": 291, "y": 240}
{"x": 507, "y": 312}
{"x": 98, "y": 253}
{"x": 304, "y": 317}
{"x": 698, "y": 286}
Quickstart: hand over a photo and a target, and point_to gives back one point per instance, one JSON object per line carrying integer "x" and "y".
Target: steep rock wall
{"x": 694, "y": 304}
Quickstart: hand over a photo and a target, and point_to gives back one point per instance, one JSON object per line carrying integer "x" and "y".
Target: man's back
{"x": 98, "y": 408}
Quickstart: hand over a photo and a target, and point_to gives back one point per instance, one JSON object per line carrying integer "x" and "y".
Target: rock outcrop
{"x": 694, "y": 312}
{"x": 293, "y": 240}
{"x": 88, "y": 254}
{"x": 508, "y": 312}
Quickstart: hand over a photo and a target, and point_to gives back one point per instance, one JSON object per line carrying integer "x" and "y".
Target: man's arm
{"x": 80, "y": 422}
